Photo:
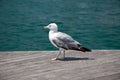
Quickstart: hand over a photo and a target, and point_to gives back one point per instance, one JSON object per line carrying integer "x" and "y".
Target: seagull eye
{"x": 49, "y": 25}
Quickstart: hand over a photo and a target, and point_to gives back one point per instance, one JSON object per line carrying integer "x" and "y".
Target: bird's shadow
{"x": 75, "y": 59}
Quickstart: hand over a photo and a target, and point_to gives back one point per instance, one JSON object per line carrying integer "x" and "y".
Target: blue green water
{"x": 94, "y": 23}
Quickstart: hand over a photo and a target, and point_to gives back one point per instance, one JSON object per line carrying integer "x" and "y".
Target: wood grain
{"x": 37, "y": 65}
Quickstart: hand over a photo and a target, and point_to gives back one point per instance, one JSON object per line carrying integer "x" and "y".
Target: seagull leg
{"x": 57, "y": 55}
{"x": 63, "y": 54}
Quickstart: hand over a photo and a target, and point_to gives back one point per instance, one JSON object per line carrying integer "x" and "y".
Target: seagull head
{"x": 52, "y": 27}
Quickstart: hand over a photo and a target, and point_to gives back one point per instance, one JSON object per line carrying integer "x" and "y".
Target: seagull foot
{"x": 57, "y": 59}
{"x": 54, "y": 59}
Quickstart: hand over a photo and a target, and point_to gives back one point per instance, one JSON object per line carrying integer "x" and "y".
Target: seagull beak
{"x": 45, "y": 27}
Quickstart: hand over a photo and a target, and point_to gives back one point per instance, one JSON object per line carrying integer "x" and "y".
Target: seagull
{"x": 63, "y": 41}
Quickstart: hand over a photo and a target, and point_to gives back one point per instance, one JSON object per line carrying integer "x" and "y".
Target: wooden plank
{"x": 37, "y": 65}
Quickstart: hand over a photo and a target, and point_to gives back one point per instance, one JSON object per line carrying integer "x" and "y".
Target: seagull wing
{"x": 65, "y": 41}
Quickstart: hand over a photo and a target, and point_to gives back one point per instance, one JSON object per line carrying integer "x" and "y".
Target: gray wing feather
{"x": 67, "y": 43}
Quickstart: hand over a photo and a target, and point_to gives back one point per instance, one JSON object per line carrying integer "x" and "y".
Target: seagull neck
{"x": 52, "y": 31}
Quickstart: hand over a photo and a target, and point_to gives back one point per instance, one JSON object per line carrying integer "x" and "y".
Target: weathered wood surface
{"x": 37, "y": 65}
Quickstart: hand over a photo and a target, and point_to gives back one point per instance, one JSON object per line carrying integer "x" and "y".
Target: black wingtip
{"x": 83, "y": 49}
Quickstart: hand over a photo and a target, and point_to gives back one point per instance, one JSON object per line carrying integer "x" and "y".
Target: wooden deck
{"x": 37, "y": 65}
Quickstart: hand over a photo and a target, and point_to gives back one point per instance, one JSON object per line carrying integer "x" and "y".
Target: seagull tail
{"x": 83, "y": 49}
